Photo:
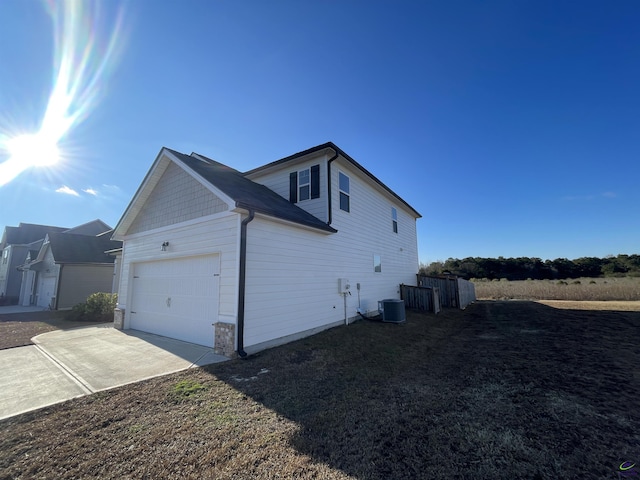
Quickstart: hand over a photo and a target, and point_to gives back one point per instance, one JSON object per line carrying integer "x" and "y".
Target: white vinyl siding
{"x": 292, "y": 273}
{"x": 278, "y": 181}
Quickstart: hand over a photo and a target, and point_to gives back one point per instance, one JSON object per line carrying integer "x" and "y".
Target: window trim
{"x": 307, "y": 184}
{"x": 346, "y": 194}
{"x": 377, "y": 263}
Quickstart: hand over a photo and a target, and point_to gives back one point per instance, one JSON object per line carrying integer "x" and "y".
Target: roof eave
{"x": 343, "y": 154}
{"x": 324, "y": 228}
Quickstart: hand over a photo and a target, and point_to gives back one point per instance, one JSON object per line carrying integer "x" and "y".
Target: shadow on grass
{"x": 501, "y": 390}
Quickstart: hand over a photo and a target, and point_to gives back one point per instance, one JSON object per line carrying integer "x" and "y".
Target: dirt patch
{"x": 501, "y": 390}
{"x": 17, "y": 329}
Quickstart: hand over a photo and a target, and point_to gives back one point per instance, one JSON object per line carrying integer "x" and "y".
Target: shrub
{"x": 98, "y": 308}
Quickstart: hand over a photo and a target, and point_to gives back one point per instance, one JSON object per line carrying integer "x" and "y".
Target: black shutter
{"x": 293, "y": 187}
{"x": 315, "y": 181}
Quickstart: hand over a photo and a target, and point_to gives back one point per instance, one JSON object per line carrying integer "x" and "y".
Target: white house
{"x": 245, "y": 261}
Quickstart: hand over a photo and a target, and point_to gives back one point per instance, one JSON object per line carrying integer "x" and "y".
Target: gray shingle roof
{"x": 73, "y": 248}
{"x": 248, "y": 194}
{"x": 26, "y": 233}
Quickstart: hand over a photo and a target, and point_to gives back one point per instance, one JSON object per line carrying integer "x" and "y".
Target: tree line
{"x": 523, "y": 268}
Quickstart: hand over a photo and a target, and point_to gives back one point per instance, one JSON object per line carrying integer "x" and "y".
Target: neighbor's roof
{"x": 26, "y": 233}
{"x": 74, "y": 248}
{"x": 94, "y": 227}
{"x": 248, "y": 194}
{"x": 338, "y": 151}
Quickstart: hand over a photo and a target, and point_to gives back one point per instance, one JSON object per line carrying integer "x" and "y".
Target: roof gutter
{"x": 329, "y": 162}
{"x": 242, "y": 281}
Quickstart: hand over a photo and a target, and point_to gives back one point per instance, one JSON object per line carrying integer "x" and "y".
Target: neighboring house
{"x": 245, "y": 261}
{"x": 15, "y": 245}
{"x": 67, "y": 268}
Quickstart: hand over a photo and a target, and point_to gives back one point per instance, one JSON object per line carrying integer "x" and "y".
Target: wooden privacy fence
{"x": 466, "y": 292}
{"x": 454, "y": 292}
{"x": 421, "y": 298}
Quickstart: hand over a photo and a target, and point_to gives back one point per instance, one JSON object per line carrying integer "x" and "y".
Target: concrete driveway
{"x": 65, "y": 364}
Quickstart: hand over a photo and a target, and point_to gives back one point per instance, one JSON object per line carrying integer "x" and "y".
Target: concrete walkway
{"x": 65, "y": 364}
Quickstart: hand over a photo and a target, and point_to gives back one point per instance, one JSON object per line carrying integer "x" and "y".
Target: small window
{"x": 394, "y": 219}
{"x": 343, "y": 182}
{"x": 377, "y": 263}
{"x": 304, "y": 185}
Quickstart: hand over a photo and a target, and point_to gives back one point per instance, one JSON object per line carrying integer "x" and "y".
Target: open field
{"x": 593, "y": 305}
{"x": 594, "y": 289}
{"x": 501, "y": 390}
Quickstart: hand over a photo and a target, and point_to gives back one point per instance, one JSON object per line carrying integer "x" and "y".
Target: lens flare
{"x": 81, "y": 65}
{"x": 34, "y": 150}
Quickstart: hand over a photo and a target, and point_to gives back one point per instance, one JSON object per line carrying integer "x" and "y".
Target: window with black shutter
{"x": 304, "y": 184}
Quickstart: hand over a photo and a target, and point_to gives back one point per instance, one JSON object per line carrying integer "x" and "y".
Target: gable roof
{"x": 75, "y": 248}
{"x": 340, "y": 152}
{"x": 94, "y": 227}
{"x": 26, "y": 233}
{"x": 248, "y": 194}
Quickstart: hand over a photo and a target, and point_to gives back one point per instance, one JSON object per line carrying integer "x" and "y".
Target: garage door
{"x": 177, "y": 298}
{"x": 46, "y": 290}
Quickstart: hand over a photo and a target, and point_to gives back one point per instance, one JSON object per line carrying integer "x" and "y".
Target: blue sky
{"x": 513, "y": 127}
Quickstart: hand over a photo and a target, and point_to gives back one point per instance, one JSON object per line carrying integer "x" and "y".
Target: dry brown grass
{"x": 593, "y": 305}
{"x": 592, "y": 289}
{"x": 501, "y": 390}
{"x": 17, "y": 329}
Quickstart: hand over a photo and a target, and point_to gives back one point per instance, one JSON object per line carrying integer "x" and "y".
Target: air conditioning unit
{"x": 392, "y": 310}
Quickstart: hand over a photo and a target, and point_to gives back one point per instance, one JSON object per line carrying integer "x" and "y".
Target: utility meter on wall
{"x": 343, "y": 285}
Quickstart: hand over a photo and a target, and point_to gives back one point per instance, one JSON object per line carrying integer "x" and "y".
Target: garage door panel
{"x": 46, "y": 290}
{"x": 177, "y": 298}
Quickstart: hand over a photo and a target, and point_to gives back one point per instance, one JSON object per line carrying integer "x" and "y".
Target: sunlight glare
{"x": 34, "y": 150}
{"x": 81, "y": 64}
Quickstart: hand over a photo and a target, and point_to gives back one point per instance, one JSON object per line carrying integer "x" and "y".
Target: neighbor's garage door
{"x": 46, "y": 290}
{"x": 177, "y": 298}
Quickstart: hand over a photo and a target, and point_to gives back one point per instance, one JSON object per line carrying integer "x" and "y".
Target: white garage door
{"x": 177, "y": 298}
{"x": 46, "y": 290}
